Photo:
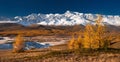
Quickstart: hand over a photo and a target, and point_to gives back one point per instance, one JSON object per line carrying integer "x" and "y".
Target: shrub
{"x": 18, "y": 45}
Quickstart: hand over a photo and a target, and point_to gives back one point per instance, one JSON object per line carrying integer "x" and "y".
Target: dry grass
{"x": 61, "y": 53}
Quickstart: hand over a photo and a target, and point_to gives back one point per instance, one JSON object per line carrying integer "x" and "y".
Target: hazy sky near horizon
{"x": 12, "y": 8}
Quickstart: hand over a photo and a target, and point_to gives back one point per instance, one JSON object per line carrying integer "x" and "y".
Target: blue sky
{"x": 11, "y": 8}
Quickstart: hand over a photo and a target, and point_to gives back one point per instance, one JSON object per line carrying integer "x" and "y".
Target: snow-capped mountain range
{"x": 68, "y": 18}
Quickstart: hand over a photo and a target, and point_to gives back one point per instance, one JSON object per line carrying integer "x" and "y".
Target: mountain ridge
{"x": 67, "y": 18}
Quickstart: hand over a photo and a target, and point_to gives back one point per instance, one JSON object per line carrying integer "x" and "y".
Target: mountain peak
{"x": 67, "y": 12}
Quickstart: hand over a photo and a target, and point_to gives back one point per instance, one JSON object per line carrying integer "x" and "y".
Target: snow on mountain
{"x": 7, "y": 20}
{"x": 68, "y": 18}
{"x": 4, "y": 21}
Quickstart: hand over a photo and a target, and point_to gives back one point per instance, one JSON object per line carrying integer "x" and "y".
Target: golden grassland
{"x": 45, "y": 32}
{"x": 61, "y": 53}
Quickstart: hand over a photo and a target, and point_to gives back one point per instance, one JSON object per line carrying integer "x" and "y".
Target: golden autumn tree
{"x": 75, "y": 43}
{"x": 18, "y": 45}
{"x": 94, "y": 37}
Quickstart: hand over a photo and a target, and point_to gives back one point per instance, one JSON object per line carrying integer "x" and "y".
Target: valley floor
{"x": 59, "y": 53}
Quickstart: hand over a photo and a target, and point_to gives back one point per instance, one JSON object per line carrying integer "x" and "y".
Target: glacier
{"x": 67, "y": 18}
